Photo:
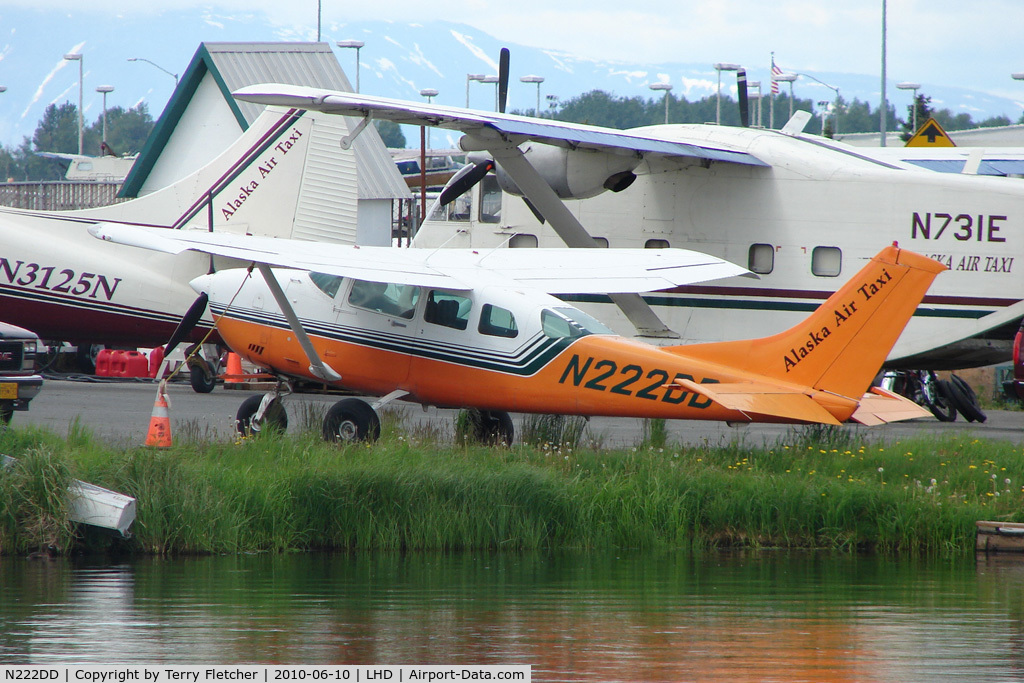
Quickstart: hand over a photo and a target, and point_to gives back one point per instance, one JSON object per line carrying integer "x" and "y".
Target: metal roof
{"x": 235, "y": 65}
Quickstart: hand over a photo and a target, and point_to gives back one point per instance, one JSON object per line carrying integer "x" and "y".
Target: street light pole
{"x": 104, "y": 89}
{"x": 494, "y": 80}
{"x": 720, "y": 67}
{"x": 882, "y": 109}
{"x": 430, "y": 94}
{"x": 77, "y": 57}
{"x": 667, "y": 87}
{"x": 905, "y": 85}
{"x": 143, "y": 59}
{"x": 356, "y": 45}
{"x": 538, "y": 80}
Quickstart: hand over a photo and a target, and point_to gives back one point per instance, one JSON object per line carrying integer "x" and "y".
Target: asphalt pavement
{"x": 119, "y": 412}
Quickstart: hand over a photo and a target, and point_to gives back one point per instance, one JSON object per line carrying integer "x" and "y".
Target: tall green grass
{"x": 813, "y": 489}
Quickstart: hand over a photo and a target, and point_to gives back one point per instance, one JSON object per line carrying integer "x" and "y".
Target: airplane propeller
{"x": 464, "y": 180}
{"x": 187, "y": 323}
{"x": 741, "y": 95}
{"x": 503, "y": 58}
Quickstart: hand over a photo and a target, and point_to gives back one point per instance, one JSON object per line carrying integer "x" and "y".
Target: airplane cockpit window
{"x": 560, "y": 323}
{"x": 448, "y": 310}
{"x": 761, "y": 259}
{"x": 328, "y": 284}
{"x": 826, "y": 261}
{"x": 490, "y": 200}
{"x": 497, "y": 322}
{"x": 385, "y": 297}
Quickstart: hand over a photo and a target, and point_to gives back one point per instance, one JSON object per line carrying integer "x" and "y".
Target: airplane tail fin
{"x": 285, "y": 176}
{"x": 841, "y": 346}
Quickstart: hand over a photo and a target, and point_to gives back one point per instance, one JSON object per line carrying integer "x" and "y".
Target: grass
{"x": 816, "y": 488}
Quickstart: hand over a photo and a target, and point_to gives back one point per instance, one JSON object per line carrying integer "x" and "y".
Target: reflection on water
{"x": 573, "y": 617}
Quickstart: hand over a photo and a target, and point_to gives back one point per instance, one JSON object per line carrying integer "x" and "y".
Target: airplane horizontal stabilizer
{"x": 880, "y": 406}
{"x": 763, "y": 399}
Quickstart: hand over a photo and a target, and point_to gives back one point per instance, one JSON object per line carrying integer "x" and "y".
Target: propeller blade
{"x": 188, "y": 322}
{"x": 503, "y": 79}
{"x": 741, "y": 91}
{"x": 464, "y": 180}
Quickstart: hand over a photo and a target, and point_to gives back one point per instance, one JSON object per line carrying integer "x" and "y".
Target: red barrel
{"x": 156, "y": 357}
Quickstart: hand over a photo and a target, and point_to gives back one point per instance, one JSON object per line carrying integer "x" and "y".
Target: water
{"x": 573, "y": 617}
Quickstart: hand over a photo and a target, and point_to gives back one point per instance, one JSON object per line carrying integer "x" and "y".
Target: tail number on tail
{"x": 65, "y": 281}
{"x": 630, "y": 380}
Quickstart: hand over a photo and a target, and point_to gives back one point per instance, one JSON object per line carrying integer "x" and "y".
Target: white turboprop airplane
{"x": 61, "y": 283}
{"x": 797, "y": 209}
{"x": 471, "y": 329}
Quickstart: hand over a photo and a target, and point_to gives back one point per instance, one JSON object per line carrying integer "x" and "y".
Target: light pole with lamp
{"x": 667, "y": 87}
{"x": 756, "y": 85}
{"x": 356, "y": 45}
{"x": 104, "y": 89}
{"x": 143, "y": 59}
{"x": 906, "y": 85}
{"x": 430, "y": 94}
{"x": 788, "y": 78}
{"x": 472, "y": 77}
{"x": 77, "y": 57}
{"x": 720, "y": 67}
{"x": 534, "y": 79}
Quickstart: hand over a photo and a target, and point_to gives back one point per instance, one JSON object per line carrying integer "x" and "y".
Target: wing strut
{"x": 572, "y": 232}
{"x": 316, "y": 365}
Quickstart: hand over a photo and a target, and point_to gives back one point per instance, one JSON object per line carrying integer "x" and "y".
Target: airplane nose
{"x": 202, "y": 283}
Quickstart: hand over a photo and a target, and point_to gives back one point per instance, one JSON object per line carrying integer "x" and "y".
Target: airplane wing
{"x": 517, "y": 129}
{"x": 577, "y": 271}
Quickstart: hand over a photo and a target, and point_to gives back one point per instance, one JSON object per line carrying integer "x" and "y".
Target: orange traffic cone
{"x": 234, "y": 372}
{"x": 159, "y": 433}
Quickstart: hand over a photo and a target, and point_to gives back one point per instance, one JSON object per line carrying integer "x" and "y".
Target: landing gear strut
{"x": 260, "y": 414}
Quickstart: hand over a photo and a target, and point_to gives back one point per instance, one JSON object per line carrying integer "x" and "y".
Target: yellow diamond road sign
{"x": 930, "y": 135}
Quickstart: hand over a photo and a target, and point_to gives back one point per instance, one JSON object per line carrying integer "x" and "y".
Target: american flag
{"x": 776, "y": 71}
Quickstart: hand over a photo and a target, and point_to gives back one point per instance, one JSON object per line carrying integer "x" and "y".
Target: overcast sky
{"x": 957, "y": 42}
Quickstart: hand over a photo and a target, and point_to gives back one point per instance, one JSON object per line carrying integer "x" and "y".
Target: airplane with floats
{"x": 56, "y": 280}
{"x": 796, "y": 209}
{"x": 479, "y": 329}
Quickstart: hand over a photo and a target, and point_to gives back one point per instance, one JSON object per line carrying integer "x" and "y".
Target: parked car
{"x": 19, "y": 383}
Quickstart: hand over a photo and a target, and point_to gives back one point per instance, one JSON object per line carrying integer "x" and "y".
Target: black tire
{"x": 492, "y": 427}
{"x": 274, "y": 417}
{"x": 202, "y": 381}
{"x": 350, "y": 420}
{"x": 966, "y": 401}
{"x": 943, "y": 407}
{"x": 85, "y": 357}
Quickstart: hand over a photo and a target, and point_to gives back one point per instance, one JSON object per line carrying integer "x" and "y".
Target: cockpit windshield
{"x": 568, "y": 322}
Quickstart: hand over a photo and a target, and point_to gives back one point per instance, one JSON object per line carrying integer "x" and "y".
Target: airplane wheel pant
{"x": 351, "y": 420}
{"x": 274, "y": 417}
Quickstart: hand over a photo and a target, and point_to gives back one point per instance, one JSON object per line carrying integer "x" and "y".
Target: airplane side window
{"x": 761, "y": 259}
{"x": 447, "y": 310}
{"x": 656, "y": 244}
{"x": 328, "y": 284}
{"x": 383, "y": 297}
{"x": 490, "y": 200}
{"x": 826, "y": 261}
{"x": 569, "y": 323}
{"x": 601, "y": 242}
{"x": 497, "y": 322}
{"x": 523, "y": 241}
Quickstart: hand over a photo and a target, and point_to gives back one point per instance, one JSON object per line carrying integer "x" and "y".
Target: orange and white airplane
{"x": 480, "y": 330}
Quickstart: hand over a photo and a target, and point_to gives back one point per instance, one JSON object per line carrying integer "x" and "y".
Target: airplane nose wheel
{"x": 250, "y": 421}
{"x": 351, "y": 420}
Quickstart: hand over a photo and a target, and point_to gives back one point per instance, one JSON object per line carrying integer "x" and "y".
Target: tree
{"x": 127, "y": 130}
{"x": 391, "y": 133}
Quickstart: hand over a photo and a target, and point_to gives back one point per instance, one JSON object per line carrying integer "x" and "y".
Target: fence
{"x": 58, "y": 195}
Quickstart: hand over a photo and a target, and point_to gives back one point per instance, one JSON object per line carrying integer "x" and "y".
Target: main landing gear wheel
{"x": 274, "y": 416}
{"x": 351, "y": 420}
{"x": 942, "y": 405}
{"x": 965, "y": 400}
{"x": 492, "y": 427}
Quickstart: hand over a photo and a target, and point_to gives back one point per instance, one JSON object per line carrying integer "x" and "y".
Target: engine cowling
{"x": 576, "y": 173}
